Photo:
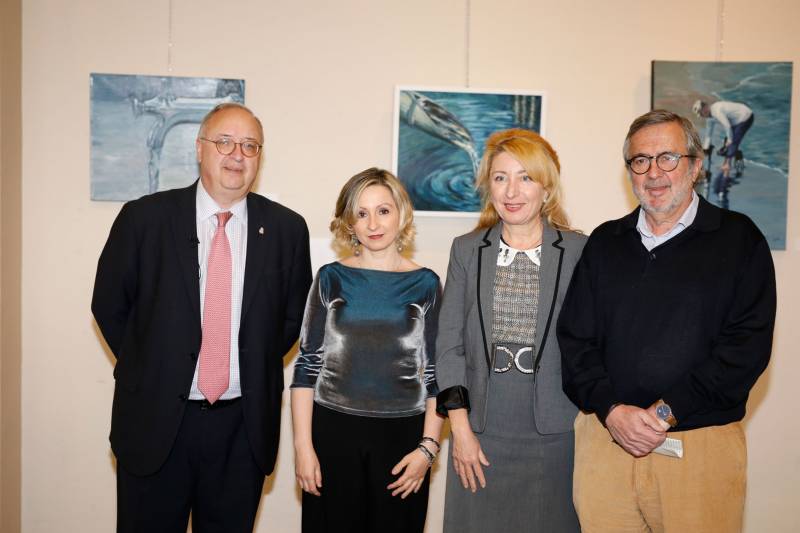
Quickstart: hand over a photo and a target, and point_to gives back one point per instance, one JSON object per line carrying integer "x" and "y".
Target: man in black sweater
{"x": 665, "y": 328}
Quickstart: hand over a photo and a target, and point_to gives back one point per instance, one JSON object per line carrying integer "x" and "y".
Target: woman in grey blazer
{"x": 498, "y": 365}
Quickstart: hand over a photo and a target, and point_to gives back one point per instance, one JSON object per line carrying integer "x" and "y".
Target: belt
{"x": 205, "y": 405}
{"x": 511, "y": 354}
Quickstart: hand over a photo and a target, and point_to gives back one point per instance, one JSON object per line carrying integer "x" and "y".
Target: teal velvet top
{"x": 367, "y": 341}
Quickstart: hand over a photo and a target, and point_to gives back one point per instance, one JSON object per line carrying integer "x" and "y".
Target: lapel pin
{"x": 261, "y": 230}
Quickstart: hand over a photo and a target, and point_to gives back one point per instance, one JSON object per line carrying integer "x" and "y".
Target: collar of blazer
{"x": 549, "y": 281}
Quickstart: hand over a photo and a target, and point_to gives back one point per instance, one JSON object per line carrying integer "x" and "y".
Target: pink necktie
{"x": 215, "y": 350}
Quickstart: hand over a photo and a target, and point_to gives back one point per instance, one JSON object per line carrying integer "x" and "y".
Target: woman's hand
{"x": 414, "y": 466}
{"x": 468, "y": 457}
{"x": 307, "y": 470}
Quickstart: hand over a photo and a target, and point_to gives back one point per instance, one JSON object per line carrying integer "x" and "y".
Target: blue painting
{"x": 143, "y": 130}
{"x": 742, "y": 112}
{"x": 439, "y": 139}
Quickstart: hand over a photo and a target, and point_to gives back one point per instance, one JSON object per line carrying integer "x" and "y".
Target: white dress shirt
{"x": 236, "y": 231}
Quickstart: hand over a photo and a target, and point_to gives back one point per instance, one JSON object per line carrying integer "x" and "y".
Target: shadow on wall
{"x": 630, "y": 199}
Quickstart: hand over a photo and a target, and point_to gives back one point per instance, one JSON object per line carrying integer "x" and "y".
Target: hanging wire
{"x": 169, "y": 38}
{"x": 720, "y": 29}
{"x": 467, "y": 43}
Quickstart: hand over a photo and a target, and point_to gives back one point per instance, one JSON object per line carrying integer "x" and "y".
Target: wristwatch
{"x": 664, "y": 412}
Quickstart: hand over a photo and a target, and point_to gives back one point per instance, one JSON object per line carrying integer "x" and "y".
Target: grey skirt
{"x": 529, "y": 480}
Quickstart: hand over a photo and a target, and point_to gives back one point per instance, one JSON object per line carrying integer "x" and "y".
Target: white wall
{"x": 321, "y": 76}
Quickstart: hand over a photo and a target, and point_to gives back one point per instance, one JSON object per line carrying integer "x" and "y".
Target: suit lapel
{"x": 549, "y": 279}
{"x": 257, "y": 243}
{"x": 184, "y": 233}
{"x": 487, "y": 266}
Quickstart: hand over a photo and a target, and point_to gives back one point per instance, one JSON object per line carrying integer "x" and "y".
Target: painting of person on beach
{"x": 743, "y": 111}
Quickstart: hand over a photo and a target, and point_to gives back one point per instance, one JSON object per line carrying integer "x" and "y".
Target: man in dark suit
{"x": 199, "y": 293}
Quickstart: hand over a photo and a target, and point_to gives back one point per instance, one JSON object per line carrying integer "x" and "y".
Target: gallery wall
{"x": 321, "y": 76}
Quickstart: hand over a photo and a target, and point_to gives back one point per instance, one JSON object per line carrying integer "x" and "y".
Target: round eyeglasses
{"x": 666, "y": 161}
{"x": 226, "y": 146}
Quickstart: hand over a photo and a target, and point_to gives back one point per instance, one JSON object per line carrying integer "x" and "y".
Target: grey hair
{"x": 229, "y": 105}
{"x": 661, "y": 116}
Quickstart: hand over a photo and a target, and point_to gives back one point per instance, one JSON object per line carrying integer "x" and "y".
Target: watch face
{"x": 663, "y": 411}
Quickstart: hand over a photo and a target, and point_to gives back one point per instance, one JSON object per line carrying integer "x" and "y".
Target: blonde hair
{"x": 347, "y": 207}
{"x": 538, "y": 159}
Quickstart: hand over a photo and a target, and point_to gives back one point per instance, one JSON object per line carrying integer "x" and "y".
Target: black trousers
{"x": 210, "y": 472}
{"x": 356, "y": 455}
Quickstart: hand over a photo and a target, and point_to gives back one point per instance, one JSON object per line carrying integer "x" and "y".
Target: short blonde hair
{"x": 538, "y": 159}
{"x": 347, "y": 206}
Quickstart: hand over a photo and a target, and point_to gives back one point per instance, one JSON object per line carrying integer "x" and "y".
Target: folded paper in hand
{"x": 671, "y": 448}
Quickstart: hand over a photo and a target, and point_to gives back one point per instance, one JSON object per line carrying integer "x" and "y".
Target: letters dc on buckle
{"x": 513, "y": 359}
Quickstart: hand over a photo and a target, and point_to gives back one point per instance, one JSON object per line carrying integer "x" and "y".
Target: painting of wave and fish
{"x": 719, "y": 97}
{"x": 143, "y": 130}
{"x": 439, "y": 139}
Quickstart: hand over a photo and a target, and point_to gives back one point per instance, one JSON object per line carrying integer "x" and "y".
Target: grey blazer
{"x": 463, "y": 345}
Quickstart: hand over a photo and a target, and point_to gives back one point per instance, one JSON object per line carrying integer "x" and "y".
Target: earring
{"x": 354, "y": 242}
{"x": 399, "y": 246}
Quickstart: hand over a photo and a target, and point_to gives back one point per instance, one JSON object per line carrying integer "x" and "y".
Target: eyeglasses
{"x": 226, "y": 146}
{"x": 666, "y": 161}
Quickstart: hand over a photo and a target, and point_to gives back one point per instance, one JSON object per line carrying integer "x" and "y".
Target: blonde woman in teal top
{"x": 364, "y": 387}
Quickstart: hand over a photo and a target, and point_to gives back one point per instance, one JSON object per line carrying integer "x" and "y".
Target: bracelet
{"x": 433, "y": 441}
{"x": 428, "y": 454}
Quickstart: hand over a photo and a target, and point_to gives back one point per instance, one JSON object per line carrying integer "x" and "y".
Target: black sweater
{"x": 690, "y": 322}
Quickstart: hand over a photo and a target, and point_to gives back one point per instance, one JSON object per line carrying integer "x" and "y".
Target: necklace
{"x": 536, "y": 242}
{"x": 522, "y": 242}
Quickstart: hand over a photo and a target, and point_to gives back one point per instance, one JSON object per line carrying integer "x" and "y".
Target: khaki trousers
{"x": 701, "y": 492}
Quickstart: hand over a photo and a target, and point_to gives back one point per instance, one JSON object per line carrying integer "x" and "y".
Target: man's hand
{"x": 637, "y": 430}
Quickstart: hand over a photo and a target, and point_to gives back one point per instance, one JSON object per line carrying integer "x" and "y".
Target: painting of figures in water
{"x": 439, "y": 137}
{"x": 143, "y": 130}
{"x": 742, "y": 112}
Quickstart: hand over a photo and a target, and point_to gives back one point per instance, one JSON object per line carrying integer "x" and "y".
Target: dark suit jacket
{"x": 464, "y": 343}
{"x": 147, "y": 304}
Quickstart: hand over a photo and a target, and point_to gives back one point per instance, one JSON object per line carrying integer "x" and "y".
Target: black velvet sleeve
{"x": 452, "y": 398}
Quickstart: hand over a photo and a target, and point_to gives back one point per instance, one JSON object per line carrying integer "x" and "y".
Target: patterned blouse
{"x": 516, "y": 295}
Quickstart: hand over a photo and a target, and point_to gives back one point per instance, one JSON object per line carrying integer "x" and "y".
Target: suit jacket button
{"x": 182, "y": 397}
